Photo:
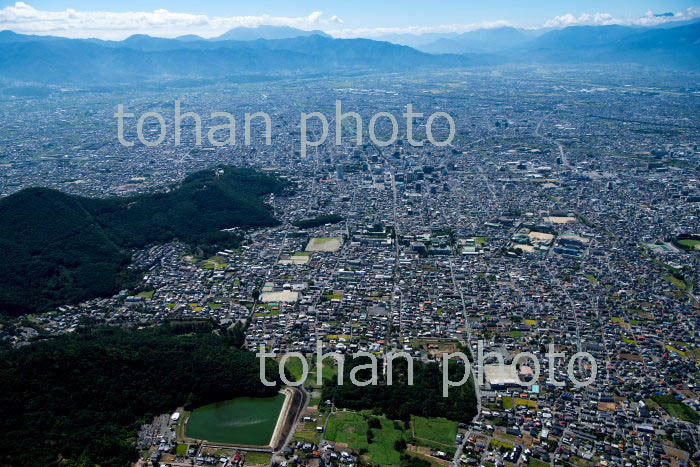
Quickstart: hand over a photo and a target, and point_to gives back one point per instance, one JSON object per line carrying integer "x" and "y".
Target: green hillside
{"x": 59, "y": 248}
{"x": 83, "y": 396}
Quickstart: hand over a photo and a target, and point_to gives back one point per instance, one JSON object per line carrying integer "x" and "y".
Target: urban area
{"x": 565, "y": 212}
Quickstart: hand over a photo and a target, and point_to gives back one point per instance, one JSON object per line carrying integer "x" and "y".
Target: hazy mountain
{"x": 583, "y": 36}
{"x": 149, "y": 43}
{"x": 679, "y": 46}
{"x": 52, "y": 60}
{"x": 481, "y": 40}
{"x": 7, "y": 36}
{"x": 265, "y": 32}
{"x": 147, "y": 58}
{"x": 190, "y": 38}
{"x": 336, "y": 53}
{"x": 676, "y": 24}
{"x": 415, "y": 40}
{"x": 675, "y": 47}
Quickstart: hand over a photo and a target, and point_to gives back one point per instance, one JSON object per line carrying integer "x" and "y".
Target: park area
{"x": 376, "y": 445}
{"x": 380, "y": 440}
{"x": 690, "y": 243}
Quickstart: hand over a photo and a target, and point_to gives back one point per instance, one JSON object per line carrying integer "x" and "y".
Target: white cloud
{"x": 24, "y": 18}
{"x": 600, "y": 19}
{"x": 416, "y": 30}
{"x": 597, "y": 19}
{"x": 314, "y": 17}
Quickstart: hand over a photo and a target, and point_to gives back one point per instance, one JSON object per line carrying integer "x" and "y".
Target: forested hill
{"x": 60, "y": 249}
{"x": 82, "y": 397}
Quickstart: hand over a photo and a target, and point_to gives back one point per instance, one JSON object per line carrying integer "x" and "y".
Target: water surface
{"x": 244, "y": 420}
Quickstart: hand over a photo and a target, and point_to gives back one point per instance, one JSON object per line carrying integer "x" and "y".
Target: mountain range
{"x": 266, "y": 32}
{"x": 143, "y": 58}
{"x": 481, "y": 40}
{"x": 284, "y": 50}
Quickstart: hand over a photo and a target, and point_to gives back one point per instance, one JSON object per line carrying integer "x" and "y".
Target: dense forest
{"x": 84, "y": 396}
{"x": 318, "y": 221}
{"x": 400, "y": 400}
{"x": 60, "y": 249}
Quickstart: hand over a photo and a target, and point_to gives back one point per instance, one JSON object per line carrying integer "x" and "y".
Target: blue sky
{"x": 343, "y": 18}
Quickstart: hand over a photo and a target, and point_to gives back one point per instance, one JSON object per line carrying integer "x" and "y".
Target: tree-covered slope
{"x": 84, "y": 396}
{"x": 60, "y": 248}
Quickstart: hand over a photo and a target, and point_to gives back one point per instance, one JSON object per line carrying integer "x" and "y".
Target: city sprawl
{"x": 566, "y": 211}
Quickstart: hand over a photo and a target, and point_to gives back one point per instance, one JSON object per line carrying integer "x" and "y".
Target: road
{"x": 562, "y": 154}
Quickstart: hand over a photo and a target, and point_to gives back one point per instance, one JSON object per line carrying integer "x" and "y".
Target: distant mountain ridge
{"x": 141, "y": 58}
{"x": 242, "y": 33}
{"x": 583, "y": 36}
{"x": 670, "y": 47}
{"x": 481, "y": 40}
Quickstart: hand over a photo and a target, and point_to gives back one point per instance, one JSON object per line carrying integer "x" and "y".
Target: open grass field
{"x": 525, "y": 402}
{"x": 690, "y": 243}
{"x": 437, "y": 430}
{"x": 294, "y": 366}
{"x": 671, "y": 348}
{"x": 676, "y": 408}
{"x": 215, "y": 262}
{"x": 329, "y": 369}
{"x": 497, "y": 444}
{"x": 382, "y": 450}
{"x": 334, "y": 296}
{"x": 257, "y": 458}
{"x": 351, "y": 428}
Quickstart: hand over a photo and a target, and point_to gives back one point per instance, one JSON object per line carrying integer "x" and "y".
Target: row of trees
{"x": 400, "y": 400}
{"x": 319, "y": 221}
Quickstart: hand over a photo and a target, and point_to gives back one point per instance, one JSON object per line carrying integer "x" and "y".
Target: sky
{"x": 340, "y": 18}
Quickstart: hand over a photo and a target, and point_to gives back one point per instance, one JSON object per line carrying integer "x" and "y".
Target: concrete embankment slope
{"x": 292, "y": 409}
